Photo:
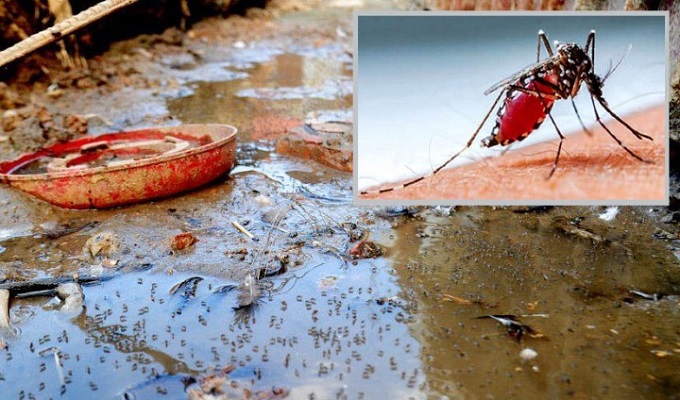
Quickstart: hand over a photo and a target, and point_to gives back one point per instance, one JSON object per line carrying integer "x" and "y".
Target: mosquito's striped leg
{"x": 559, "y": 147}
{"x": 453, "y": 157}
{"x": 597, "y": 116}
{"x": 632, "y": 130}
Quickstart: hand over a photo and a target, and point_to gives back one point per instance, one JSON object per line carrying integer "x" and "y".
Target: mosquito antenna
{"x": 612, "y": 69}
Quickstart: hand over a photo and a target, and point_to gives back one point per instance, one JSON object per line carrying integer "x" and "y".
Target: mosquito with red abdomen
{"x": 530, "y": 95}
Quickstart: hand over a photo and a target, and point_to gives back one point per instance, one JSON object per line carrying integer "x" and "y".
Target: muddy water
{"x": 400, "y": 326}
{"x": 597, "y": 340}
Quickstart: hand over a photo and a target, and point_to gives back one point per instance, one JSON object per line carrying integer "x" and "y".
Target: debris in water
{"x": 366, "y": 249}
{"x": 291, "y": 256}
{"x": 514, "y": 327}
{"x": 528, "y": 354}
{"x": 328, "y": 282}
{"x": 531, "y": 209}
{"x": 564, "y": 226}
{"x": 224, "y": 289}
{"x": 56, "y": 352}
{"x": 387, "y": 212}
{"x": 647, "y": 296}
{"x": 53, "y": 230}
{"x": 444, "y": 211}
{"x": 664, "y": 234}
{"x": 356, "y": 235}
{"x": 182, "y": 241}
{"x": 48, "y": 286}
{"x": 609, "y": 214}
{"x": 159, "y": 384}
{"x": 217, "y": 385}
{"x": 466, "y": 302}
{"x": 249, "y": 292}
{"x": 244, "y": 231}
{"x": 72, "y": 295}
{"x": 104, "y": 243}
{"x": 661, "y": 353}
{"x": 188, "y": 287}
{"x": 671, "y": 218}
{"x": 331, "y": 250}
{"x": 263, "y": 200}
{"x": 108, "y": 263}
{"x": 212, "y": 385}
{"x": 456, "y": 299}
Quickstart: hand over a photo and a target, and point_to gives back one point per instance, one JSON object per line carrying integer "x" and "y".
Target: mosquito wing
{"x": 519, "y": 75}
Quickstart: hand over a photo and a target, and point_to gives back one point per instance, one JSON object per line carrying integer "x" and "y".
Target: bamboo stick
{"x": 62, "y": 29}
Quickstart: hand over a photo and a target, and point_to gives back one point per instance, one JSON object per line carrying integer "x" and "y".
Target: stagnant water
{"x": 329, "y": 328}
{"x": 595, "y": 301}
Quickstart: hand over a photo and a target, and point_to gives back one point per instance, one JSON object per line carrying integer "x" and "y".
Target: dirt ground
{"x": 331, "y": 300}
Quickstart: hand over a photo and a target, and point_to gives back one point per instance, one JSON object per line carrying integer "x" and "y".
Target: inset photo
{"x": 511, "y": 109}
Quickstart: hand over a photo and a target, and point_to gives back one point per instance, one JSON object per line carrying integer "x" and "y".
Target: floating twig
{"x": 56, "y": 352}
{"x": 514, "y": 327}
{"x": 244, "y": 231}
{"x": 647, "y": 296}
{"x": 48, "y": 286}
{"x": 466, "y": 302}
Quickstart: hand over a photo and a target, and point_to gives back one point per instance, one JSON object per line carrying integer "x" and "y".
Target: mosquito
{"x": 531, "y": 93}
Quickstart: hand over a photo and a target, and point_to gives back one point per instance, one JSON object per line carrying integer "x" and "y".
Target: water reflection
{"x": 276, "y": 95}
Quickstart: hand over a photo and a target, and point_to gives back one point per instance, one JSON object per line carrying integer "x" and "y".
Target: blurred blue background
{"x": 421, "y": 81}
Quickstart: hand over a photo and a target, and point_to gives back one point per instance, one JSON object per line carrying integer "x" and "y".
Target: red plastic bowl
{"x": 124, "y": 167}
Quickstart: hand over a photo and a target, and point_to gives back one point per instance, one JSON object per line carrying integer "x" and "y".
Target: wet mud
{"x": 325, "y": 300}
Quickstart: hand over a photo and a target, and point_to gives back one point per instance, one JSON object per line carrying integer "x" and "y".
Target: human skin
{"x": 591, "y": 168}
